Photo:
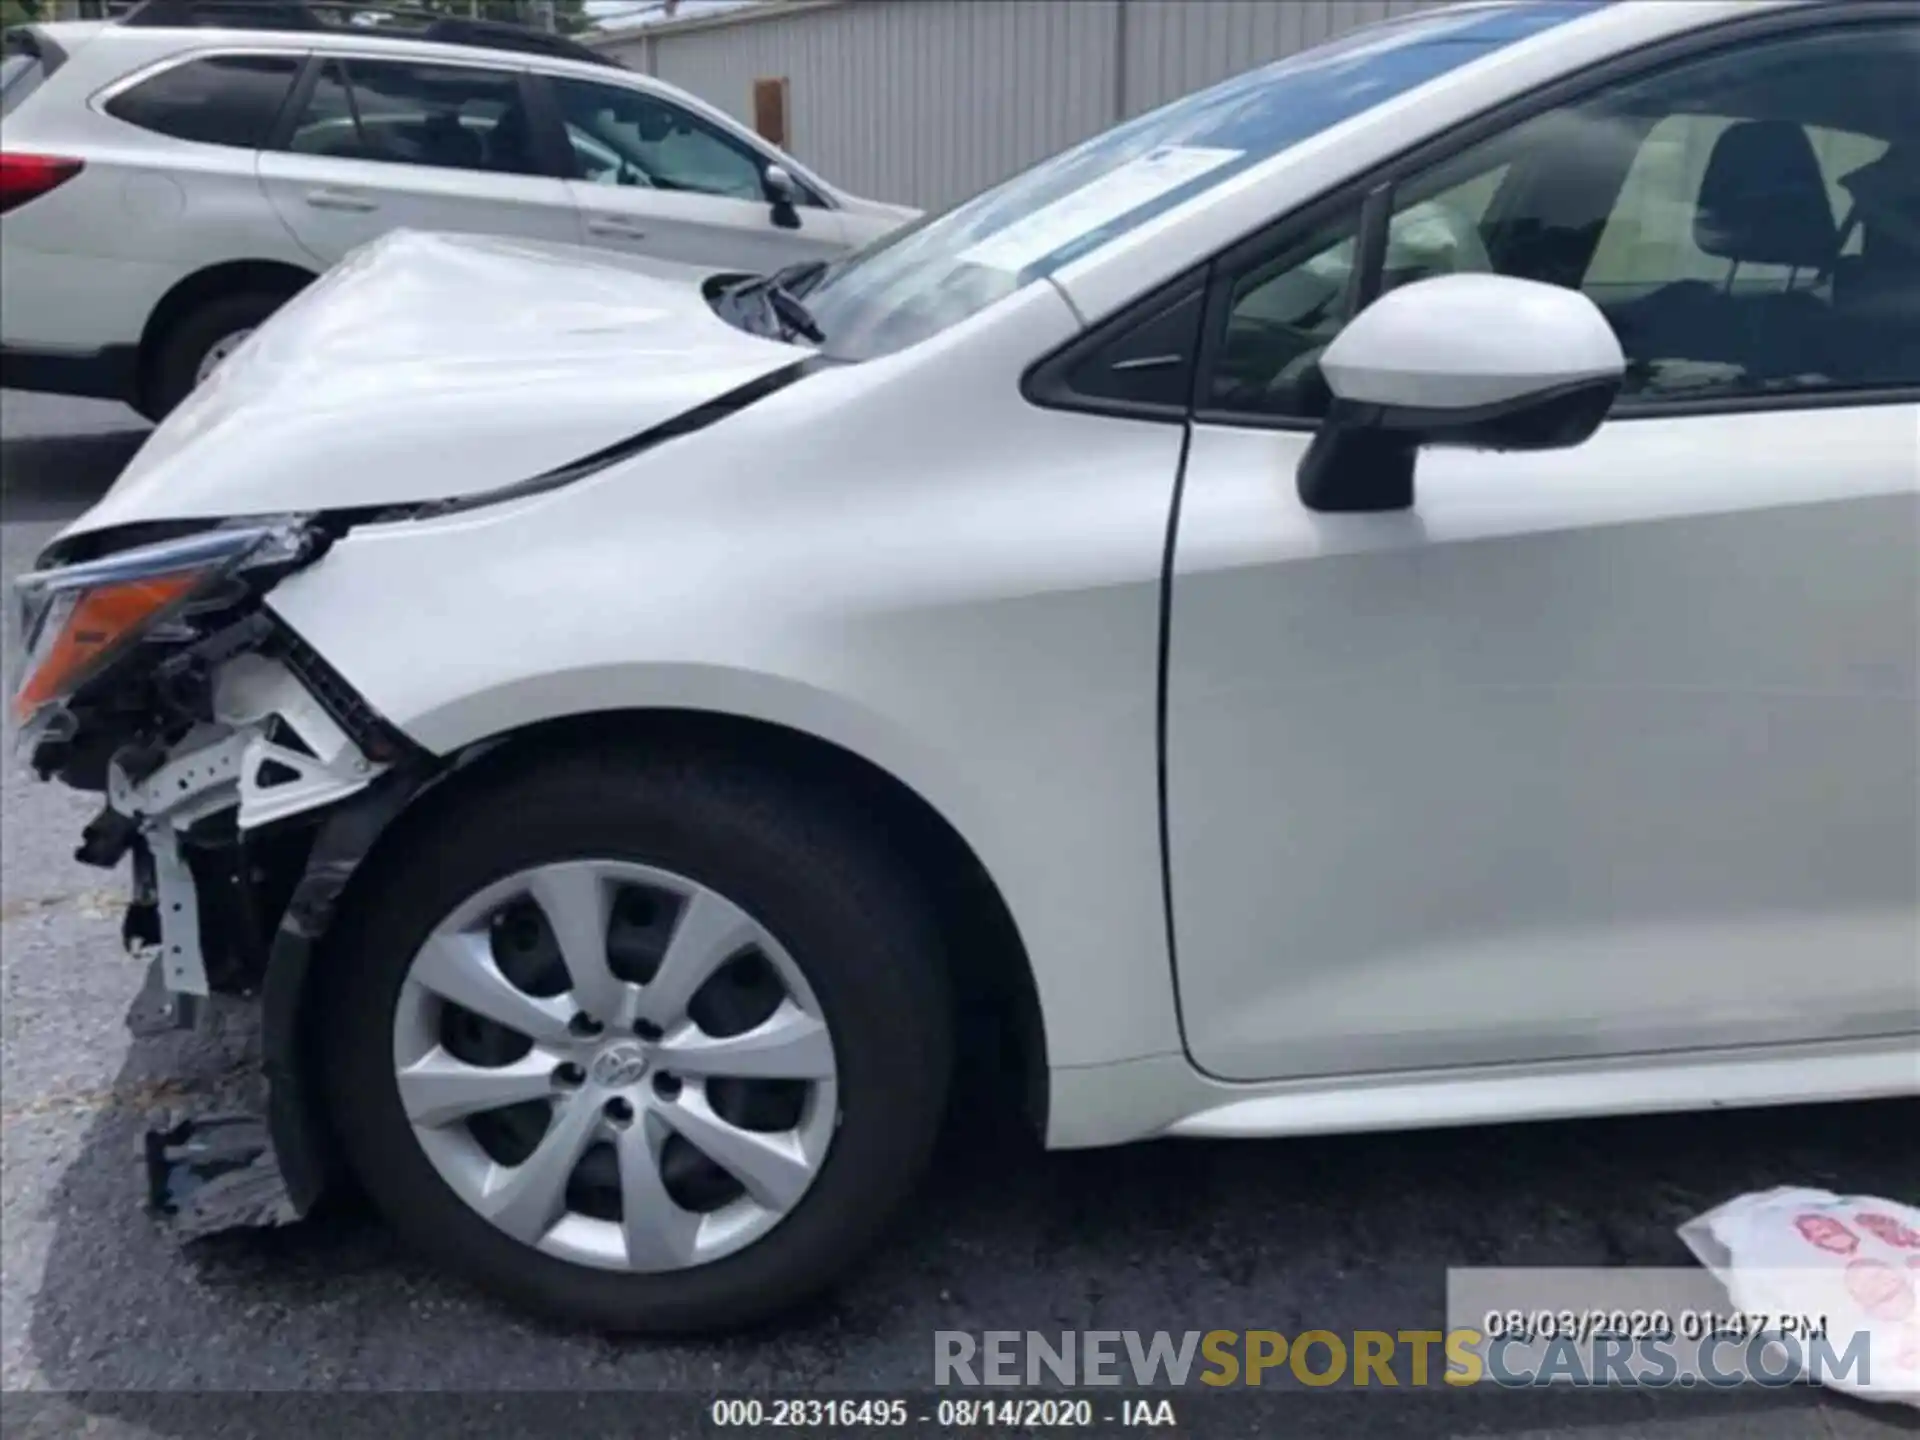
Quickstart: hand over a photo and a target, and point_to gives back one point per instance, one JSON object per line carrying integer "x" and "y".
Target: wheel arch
{"x": 1002, "y": 1024}
{"x": 188, "y": 294}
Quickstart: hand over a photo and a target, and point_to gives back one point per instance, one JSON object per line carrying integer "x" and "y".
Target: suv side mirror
{"x": 1484, "y": 361}
{"x": 785, "y": 195}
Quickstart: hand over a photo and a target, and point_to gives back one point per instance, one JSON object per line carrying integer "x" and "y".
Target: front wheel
{"x": 642, "y": 1045}
{"x": 197, "y": 343}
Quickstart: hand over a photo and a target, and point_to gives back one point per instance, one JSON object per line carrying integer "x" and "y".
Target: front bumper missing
{"x": 213, "y": 1169}
{"x": 268, "y": 1160}
{"x": 217, "y": 1172}
{"x": 265, "y": 1156}
{"x": 245, "y": 781}
{"x": 242, "y": 837}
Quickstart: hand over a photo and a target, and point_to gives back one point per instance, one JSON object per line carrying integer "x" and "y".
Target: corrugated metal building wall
{"x": 927, "y": 101}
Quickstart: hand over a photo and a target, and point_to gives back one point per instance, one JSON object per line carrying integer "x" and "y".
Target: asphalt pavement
{"x": 1338, "y": 1234}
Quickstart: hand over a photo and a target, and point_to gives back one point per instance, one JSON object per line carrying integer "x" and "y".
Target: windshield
{"x": 918, "y": 281}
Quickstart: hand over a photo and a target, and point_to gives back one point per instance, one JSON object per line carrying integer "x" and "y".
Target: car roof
{"x": 369, "y": 39}
{"x": 402, "y": 20}
{"x": 149, "y": 44}
{"x": 158, "y": 28}
{"x": 64, "y": 33}
{"x": 161, "y": 40}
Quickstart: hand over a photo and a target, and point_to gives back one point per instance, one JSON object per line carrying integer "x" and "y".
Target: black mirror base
{"x": 1355, "y": 471}
{"x": 1362, "y": 459}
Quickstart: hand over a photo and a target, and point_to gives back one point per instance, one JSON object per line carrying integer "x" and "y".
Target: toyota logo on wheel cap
{"x": 621, "y": 1065}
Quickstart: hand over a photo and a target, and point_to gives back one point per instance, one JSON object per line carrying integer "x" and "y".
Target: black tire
{"x": 822, "y": 883}
{"x": 175, "y": 368}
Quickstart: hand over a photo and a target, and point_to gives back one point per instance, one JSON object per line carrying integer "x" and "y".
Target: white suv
{"x": 165, "y": 187}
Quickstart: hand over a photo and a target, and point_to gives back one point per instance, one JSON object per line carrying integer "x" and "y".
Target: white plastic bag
{"x": 1853, "y": 1260}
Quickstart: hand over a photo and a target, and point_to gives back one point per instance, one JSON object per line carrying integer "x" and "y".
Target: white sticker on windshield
{"x": 1098, "y": 202}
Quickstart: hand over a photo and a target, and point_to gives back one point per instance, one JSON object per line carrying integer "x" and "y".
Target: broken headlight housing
{"x": 76, "y": 623}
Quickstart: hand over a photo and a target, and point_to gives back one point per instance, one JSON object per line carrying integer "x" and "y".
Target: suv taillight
{"x": 28, "y": 177}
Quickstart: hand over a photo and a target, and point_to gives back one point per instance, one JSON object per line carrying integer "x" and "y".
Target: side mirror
{"x": 784, "y": 192}
{"x": 1484, "y": 361}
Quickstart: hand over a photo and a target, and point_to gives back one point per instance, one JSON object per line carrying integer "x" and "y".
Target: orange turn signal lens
{"x": 72, "y": 646}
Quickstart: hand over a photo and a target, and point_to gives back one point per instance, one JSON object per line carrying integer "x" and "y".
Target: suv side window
{"x": 457, "y": 117}
{"x": 622, "y": 136}
{"x": 1748, "y": 222}
{"x": 216, "y": 100}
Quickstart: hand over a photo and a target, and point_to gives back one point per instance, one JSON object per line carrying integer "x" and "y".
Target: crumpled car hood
{"x": 427, "y": 367}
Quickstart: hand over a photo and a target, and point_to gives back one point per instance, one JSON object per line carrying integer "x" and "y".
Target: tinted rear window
{"x": 218, "y": 100}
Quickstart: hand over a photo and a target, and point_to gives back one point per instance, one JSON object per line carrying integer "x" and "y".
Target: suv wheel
{"x": 639, "y": 1045}
{"x": 198, "y": 342}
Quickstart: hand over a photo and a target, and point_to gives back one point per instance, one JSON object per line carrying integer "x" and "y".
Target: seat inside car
{"x": 1877, "y": 292}
{"x": 450, "y": 143}
{"x": 1763, "y": 202}
{"x": 510, "y": 143}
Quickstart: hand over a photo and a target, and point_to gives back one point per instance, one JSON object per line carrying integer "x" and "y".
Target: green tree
{"x": 21, "y": 12}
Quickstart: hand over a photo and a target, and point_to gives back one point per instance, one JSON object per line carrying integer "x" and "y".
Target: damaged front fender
{"x": 271, "y": 1165}
{"x": 247, "y": 783}
{"x": 296, "y": 1123}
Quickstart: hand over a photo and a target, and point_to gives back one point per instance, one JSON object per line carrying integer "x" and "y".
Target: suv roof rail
{"x": 341, "y": 16}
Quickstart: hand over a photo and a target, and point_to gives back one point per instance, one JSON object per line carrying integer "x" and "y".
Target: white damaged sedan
{"x": 1382, "y": 593}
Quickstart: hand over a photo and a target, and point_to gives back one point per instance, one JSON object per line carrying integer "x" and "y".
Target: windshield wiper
{"x": 782, "y": 290}
{"x": 798, "y": 278}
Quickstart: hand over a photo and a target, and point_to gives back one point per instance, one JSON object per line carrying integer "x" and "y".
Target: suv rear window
{"x": 216, "y": 100}
{"x": 25, "y": 60}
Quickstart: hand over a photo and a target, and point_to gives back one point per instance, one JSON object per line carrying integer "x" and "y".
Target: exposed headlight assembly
{"x": 75, "y": 623}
